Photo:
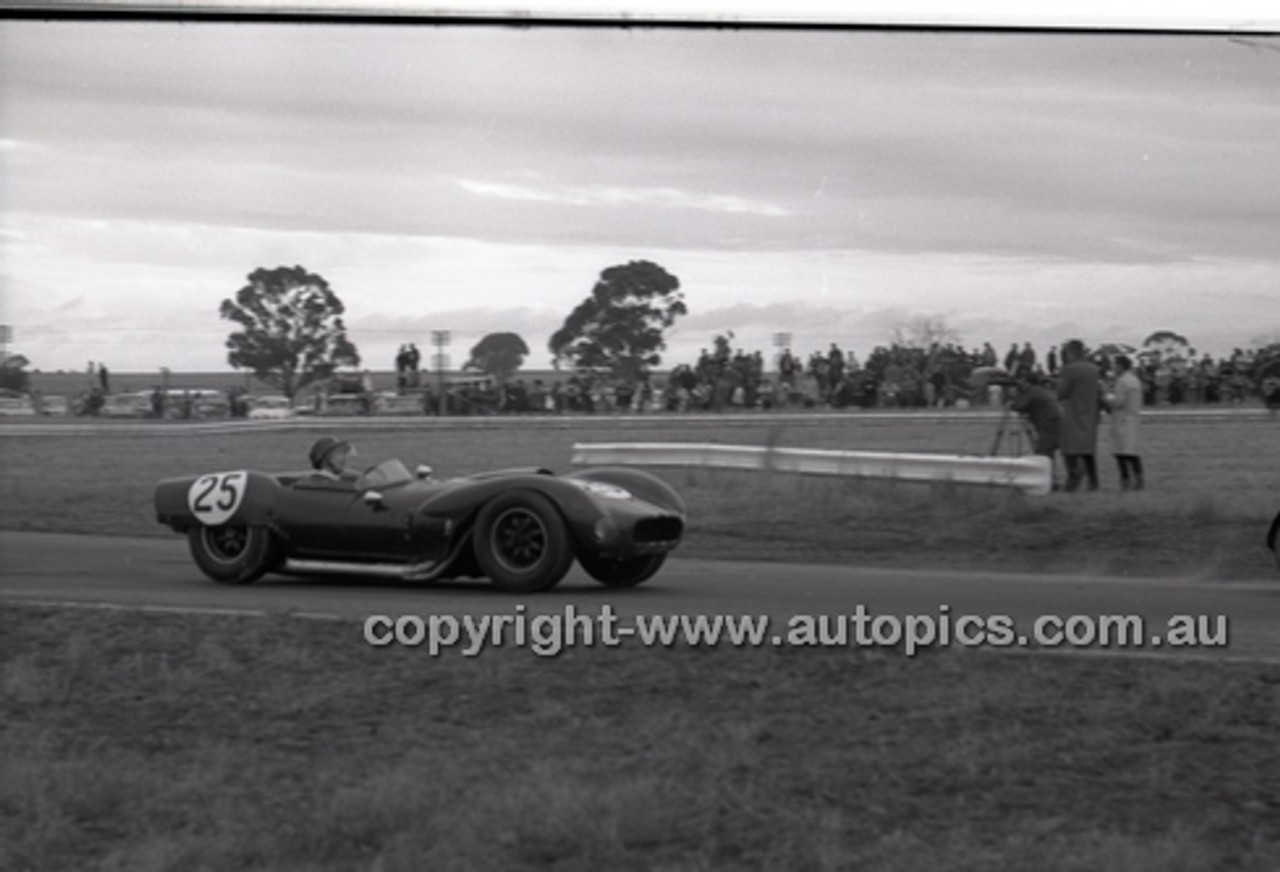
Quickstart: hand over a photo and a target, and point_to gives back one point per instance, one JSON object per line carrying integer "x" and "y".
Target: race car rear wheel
{"x": 521, "y": 542}
{"x": 623, "y": 571}
{"x": 232, "y": 553}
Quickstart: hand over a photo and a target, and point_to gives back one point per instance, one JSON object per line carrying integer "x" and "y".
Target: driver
{"x": 329, "y": 459}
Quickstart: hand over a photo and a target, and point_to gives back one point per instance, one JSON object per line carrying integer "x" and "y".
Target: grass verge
{"x": 145, "y": 742}
{"x": 1204, "y": 513}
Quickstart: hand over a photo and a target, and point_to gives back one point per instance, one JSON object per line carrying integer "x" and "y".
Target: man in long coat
{"x": 1080, "y": 391}
{"x": 1125, "y": 409}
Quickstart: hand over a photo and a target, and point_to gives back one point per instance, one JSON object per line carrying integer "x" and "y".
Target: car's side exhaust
{"x": 425, "y": 571}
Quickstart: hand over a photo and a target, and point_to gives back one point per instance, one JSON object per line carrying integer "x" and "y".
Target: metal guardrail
{"x": 1031, "y": 474}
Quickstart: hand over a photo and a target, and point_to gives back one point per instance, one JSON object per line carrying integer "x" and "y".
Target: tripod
{"x": 1021, "y": 435}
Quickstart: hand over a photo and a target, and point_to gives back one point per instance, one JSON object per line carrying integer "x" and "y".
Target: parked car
{"x": 14, "y": 403}
{"x": 392, "y": 403}
{"x": 54, "y": 404}
{"x": 131, "y": 404}
{"x": 271, "y": 407}
{"x": 200, "y": 403}
{"x": 341, "y": 405}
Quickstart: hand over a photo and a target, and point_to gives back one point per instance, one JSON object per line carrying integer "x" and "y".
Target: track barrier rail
{"x": 1031, "y": 474}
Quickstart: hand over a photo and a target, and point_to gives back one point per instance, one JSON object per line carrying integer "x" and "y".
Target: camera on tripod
{"x": 1014, "y": 432}
{"x": 1019, "y": 432}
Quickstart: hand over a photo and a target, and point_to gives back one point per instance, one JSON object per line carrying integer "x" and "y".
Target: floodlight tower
{"x": 440, "y": 339}
{"x": 781, "y": 341}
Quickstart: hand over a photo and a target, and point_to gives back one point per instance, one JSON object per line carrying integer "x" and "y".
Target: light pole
{"x": 440, "y": 339}
{"x": 781, "y": 341}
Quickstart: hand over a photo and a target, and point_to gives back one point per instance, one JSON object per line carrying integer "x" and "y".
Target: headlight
{"x": 603, "y": 489}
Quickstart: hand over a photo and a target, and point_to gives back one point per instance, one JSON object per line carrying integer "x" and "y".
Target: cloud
{"x": 603, "y": 195}
{"x": 1003, "y": 181}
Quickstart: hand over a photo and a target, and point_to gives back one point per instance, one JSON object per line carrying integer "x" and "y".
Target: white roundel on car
{"x": 215, "y": 497}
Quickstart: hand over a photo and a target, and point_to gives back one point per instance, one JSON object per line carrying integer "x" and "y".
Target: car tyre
{"x": 621, "y": 571}
{"x": 233, "y": 553}
{"x": 1273, "y": 539}
{"x": 522, "y": 543}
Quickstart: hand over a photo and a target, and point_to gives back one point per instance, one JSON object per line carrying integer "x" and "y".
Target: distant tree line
{"x": 291, "y": 333}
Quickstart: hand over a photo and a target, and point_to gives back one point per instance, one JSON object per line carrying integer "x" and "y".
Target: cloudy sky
{"x": 834, "y": 184}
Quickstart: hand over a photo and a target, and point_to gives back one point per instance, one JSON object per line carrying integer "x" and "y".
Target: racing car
{"x": 520, "y": 528}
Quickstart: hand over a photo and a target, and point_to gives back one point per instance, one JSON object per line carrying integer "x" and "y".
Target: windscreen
{"x": 386, "y": 474}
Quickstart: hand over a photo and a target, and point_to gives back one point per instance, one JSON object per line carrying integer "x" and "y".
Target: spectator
{"x": 94, "y": 402}
{"x": 402, "y": 367}
{"x": 1080, "y": 393}
{"x": 1038, "y": 405}
{"x": 1027, "y": 358}
{"x": 1125, "y": 409}
{"x": 413, "y": 361}
{"x": 835, "y": 366}
{"x": 1011, "y": 358}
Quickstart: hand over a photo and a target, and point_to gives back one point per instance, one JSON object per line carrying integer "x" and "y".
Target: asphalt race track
{"x": 157, "y": 573}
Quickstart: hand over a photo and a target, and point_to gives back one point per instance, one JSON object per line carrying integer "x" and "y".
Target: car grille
{"x": 662, "y": 529}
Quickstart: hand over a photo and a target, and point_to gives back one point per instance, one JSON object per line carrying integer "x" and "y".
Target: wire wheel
{"x": 519, "y": 539}
{"x": 227, "y": 543}
{"x": 233, "y": 554}
{"x": 522, "y": 543}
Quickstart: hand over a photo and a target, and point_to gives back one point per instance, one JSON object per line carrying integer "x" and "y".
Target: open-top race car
{"x": 522, "y": 528}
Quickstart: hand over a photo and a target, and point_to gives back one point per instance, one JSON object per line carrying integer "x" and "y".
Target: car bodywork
{"x": 521, "y": 528}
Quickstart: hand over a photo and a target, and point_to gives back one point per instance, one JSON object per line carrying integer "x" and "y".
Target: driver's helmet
{"x": 324, "y": 448}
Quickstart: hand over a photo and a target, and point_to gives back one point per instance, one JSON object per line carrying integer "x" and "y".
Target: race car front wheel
{"x": 232, "y": 554}
{"x": 621, "y": 572}
{"x": 521, "y": 542}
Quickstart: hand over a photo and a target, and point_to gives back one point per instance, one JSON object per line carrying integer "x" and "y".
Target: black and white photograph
{"x": 708, "y": 438}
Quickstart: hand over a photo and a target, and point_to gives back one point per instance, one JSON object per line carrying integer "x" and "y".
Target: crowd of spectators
{"x": 943, "y": 375}
{"x": 722, "y": 378}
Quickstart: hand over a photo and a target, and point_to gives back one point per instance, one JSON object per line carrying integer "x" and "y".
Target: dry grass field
{"x": 146, "y": 743}
{"x": 1212, "y": 490}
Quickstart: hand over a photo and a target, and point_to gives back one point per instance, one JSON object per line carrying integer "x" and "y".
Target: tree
{"x": 498, "y": 355}
{"x": 292, "y": 332}
{"x": 13, "y": 374}
{"x": 618, "y": 329}
{"x": 924, "y": 331}
{"x": 1166, "y": 348}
